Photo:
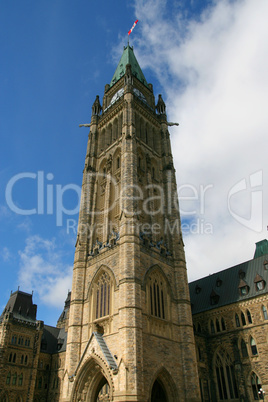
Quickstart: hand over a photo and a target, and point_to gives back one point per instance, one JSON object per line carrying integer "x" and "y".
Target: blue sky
{"x": 209, "y": 60}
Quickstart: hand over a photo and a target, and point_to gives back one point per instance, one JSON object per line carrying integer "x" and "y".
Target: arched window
{"x": 21, "y": 359}
{"x": 237, "y": 322}
{"x": 253, "y": 346}
{"x": 199, "y": 328}
{"x": 103, "y": 295}
{"x": 118, "y": 162}
{"x": 218, "y": 325}
{"x": 14, "y": 358}
{"x": 8, "y": 378}
{"x": 212, "y": 327}
{"x": 249, "y": 317}
{"x": 226, "y": 381}
{"x": 14, "y": 379}
{"x": 243, "y": 319}
{"x": 26, "y": 360}
{"x": 223, "y": 327}
{"x": 157, "y": 295}
{"x": 265, "y": 315}
{"x": 256, "y": 387}
{"x": 244, "y": 350}
{"x": 20, "y": 381}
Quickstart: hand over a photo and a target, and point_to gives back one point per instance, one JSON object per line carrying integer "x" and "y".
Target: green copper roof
{"x": 261, "y": 248}
{"x": 128, "y": 57}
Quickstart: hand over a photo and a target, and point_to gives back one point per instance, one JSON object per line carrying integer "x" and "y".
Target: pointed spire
{"x": 160, "y": 107}
{"x": 128, "y": 57}
{"x": 96, "y": 108}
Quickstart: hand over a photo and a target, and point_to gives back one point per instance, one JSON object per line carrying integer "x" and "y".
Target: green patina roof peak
{"x": 128, "y": 57}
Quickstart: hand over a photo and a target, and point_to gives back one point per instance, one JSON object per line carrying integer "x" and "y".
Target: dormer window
{"x": 214, "y": 298}
{"x": 265, "y": 265}
{"x": 243, "y": 288}
{"x": 259, "y": 283}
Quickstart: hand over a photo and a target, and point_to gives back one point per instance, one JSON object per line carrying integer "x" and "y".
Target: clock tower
{"x": 130, "y": 334}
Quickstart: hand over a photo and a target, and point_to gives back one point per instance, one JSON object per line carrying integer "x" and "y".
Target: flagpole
{"x": 129, "y": 32}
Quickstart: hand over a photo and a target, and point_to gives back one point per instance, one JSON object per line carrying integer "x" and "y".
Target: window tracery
{"x": 103, "y": 295}
{"x": 157, "y": 295}
{"x": 225, "y": 375}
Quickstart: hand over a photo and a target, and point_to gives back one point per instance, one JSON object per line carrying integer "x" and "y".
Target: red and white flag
{"x": 135, "y": 23}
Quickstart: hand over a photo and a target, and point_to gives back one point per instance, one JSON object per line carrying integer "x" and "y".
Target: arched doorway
{"x": 103, "y": 391}
{"x": 158, "y": 392}
{"x": 93, "y": 382}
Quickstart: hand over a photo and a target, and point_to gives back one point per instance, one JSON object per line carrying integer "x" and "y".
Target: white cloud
{"x": 42, "y": 270}
{"x": 214, "y": 75}
{"x": 5, "y": 254}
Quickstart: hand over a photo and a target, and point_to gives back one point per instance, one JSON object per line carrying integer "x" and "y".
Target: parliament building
{"x": 132, "y": 328}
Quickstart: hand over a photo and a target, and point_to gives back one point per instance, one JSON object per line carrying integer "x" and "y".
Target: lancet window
{"x": 103, "y": 295}
{"x": 256, "y": 387}
{"x": 225, "y": 375}
{"x": 157, "y": 295}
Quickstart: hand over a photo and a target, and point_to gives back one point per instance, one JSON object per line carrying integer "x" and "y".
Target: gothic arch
{"x": 98, "y": 273}
{"x": 116, "y": 155}
{"x": 90, "y": 378}
{"x": 224, "y": 373}
{"x": 158, "y": 293}
{"x": 166, "y": 385}
{"x": 100, "y": 296}
{"x": 150, "y": 271}
{"x": 254, "y": 384}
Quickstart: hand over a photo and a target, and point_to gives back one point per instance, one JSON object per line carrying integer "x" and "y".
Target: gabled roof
{"x": 228, "y": 288}
{"x": 128, "y": 57}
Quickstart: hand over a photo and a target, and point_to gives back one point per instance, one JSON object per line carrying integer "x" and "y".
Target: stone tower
{"x": 130, "y": 335}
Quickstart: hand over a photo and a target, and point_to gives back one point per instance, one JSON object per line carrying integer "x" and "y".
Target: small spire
{"x": 161, "y": 107}
{"x": 96, "y": 108}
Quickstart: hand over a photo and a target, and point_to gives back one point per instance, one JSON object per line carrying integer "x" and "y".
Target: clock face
{"x": 139, "y": 95}
{"x": 117, "y": 95}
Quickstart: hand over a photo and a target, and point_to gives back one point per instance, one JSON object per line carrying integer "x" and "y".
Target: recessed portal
{"x": 103, "y": 391}
{"x": 158, "y": 392}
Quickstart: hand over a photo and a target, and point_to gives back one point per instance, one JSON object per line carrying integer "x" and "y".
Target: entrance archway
{"x": 158, "y": 392}
{"x": 93, "y": 382}
{"x": 103, "y": 391}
